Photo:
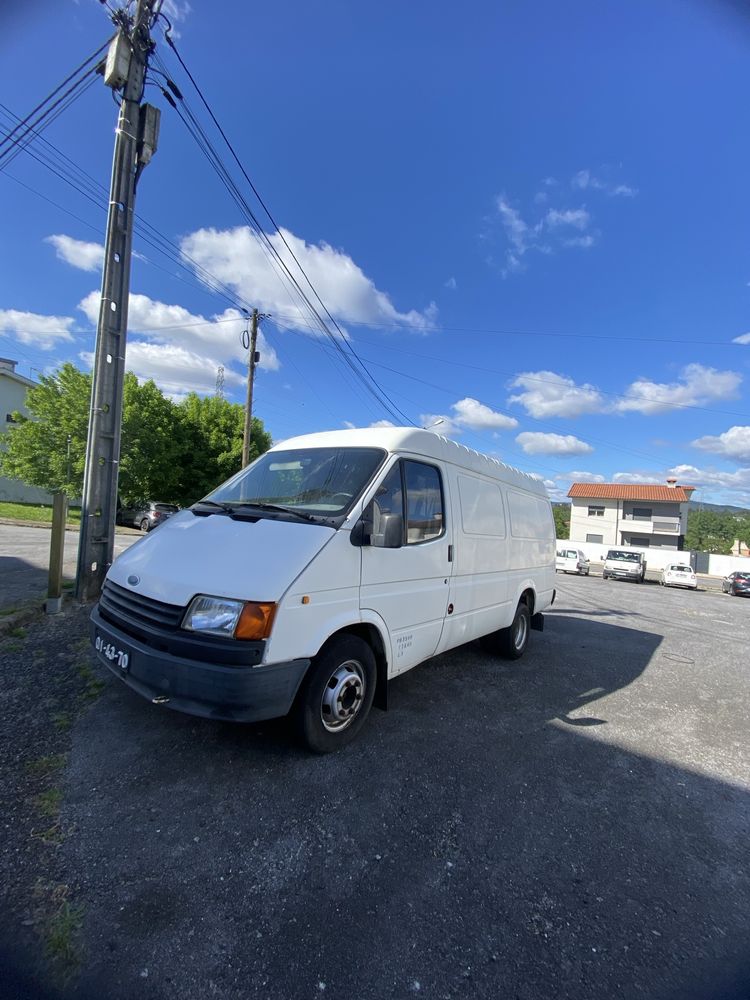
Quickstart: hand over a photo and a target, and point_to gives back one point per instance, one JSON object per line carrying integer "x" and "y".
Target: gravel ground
{"x": 574, "y": 825}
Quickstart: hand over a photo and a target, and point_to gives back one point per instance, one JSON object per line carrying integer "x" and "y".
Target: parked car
{"x": 737, "y": 584}
{"x": 572, "y": 561}
{"x": 624, "y": 564}
{"x": 678, "y": 575}
{"x": 146, "y": 514}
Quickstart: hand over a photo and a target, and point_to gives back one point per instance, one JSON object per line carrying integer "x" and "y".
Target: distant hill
{"x": 717, "y": 508}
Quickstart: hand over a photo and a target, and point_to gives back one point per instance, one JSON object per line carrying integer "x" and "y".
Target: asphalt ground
{"x": 24, "y": 559}
{"x": 571, "y": 825}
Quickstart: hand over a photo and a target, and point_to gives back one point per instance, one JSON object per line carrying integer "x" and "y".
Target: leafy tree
{"x": 37, "y": 448}
{"x": 561, "y": 513}
{"x": 169, "y": 451}
{"x": 211, "y": 432}
{"x": 710, "y": 531}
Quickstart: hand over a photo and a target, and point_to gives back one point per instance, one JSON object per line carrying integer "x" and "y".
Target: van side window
{"x": 424, "y": 502}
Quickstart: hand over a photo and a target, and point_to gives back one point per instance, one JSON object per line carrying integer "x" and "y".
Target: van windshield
{"x": 323, "y": 481}
{"x": 624, "y": 556}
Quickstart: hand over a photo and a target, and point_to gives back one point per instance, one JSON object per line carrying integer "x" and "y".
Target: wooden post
{"x": 53, "y": 604}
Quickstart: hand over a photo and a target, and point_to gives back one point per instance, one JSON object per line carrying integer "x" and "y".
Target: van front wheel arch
{"x": 336, "y": 695}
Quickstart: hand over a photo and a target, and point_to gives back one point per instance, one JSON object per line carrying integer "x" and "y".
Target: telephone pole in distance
{"x": 252, "y": 361}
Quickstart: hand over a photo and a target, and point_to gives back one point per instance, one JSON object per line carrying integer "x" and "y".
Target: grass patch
{"x": 35, "y": 513}
{"x": 4, "y": 612}
{"x": 62, "y": 721}
{"x": 17, "y": 633}
{"x": 43, "y": 766}
{"x": 12, "y": 647}
{"x": 94, "y": 686}
{"x": 59, "y": 922}
{"x": 48, "y": 803}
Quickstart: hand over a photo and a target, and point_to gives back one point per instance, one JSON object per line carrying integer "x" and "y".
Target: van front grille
{"x": 122, "y": 606}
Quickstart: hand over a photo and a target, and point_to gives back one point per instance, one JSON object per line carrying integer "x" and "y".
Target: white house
{"x": 13, "y": 389}
{"x": 642, "y": 516}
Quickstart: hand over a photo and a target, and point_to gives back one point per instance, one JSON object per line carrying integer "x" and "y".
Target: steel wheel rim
{"x": 343, "y": 696}
{"x": 519, "y": 633}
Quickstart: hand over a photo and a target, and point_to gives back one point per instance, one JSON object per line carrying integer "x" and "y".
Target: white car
{"x": 572, "y": 561}
{"x": 678, "y": 575}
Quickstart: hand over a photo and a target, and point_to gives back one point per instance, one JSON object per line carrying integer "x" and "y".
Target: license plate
{"x": 115, "y": 654}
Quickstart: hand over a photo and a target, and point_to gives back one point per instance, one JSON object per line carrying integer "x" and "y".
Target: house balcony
{"x": 650, "y": 526}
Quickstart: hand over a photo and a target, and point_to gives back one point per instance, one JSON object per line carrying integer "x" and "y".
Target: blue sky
{"x": 529, "y": 220}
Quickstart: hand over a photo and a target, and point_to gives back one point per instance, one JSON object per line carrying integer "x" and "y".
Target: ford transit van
{"x": 333, "y": 563}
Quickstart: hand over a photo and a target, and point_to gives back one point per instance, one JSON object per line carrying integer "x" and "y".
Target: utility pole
{"x": 135, "y": 144}
{"x": 252, "y": 360}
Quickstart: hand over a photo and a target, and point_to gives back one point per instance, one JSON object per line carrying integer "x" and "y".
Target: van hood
{"x": 189, "y": 555}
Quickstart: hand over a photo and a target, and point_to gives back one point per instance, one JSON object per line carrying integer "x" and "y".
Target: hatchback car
{"x": 737, "y": 584}
{"x": 146, "y": 514}
{"x": 679, "y": 575}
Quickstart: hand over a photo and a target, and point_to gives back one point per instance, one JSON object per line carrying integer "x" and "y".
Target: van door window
{"x": 424, "y": 502}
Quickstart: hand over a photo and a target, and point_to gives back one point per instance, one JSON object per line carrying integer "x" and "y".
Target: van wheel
{"x": 510, "y": 642}
{"x": 336, "y": 695}
{"x": 514, "y": 640}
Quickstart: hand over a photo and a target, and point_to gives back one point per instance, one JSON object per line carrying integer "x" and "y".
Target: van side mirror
{"x": 390, "y": 534}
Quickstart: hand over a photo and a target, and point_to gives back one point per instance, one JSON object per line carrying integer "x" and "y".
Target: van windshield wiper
{"x": 212, "y": 503}
{"x": 274, "y": 506}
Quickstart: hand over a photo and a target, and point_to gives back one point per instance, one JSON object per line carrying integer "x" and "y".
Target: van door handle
{"x": 450, "y": 553}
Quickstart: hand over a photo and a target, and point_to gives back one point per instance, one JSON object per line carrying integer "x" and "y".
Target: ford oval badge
{"x": 134, "y": 580}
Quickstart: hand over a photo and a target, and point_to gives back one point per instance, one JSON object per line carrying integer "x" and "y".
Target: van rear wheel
{"x": 510, "y": 642}
{"x": 336, "y": 695}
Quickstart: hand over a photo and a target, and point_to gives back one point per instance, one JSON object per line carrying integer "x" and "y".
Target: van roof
{"x": 419, "y": 442}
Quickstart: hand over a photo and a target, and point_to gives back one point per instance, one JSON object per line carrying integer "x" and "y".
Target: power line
{"x": 349, "y": 355}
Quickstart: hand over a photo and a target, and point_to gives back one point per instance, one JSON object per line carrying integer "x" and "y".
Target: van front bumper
{"x": 233, "y": 693}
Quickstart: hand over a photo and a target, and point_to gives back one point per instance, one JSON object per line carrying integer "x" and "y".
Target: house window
{"x": 641, "y": 543}
{"x": 596, "y": 510}
{"x": 597, "y": 539}
{"x": 641, "y": 513}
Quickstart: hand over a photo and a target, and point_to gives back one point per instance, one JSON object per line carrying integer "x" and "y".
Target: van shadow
{"x": 481, "y": 839}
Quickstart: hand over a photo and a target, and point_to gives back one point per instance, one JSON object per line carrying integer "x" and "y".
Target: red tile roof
{"x": 622, "y": 491}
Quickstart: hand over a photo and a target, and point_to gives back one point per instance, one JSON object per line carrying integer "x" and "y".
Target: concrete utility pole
{"x": 135, "y": 143}
{"x": 252, "y": 360}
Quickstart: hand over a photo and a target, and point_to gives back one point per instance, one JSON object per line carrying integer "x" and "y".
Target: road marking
{"x": 718, "y": 621}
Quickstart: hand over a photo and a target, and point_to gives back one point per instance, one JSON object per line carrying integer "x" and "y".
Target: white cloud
{"x": 239, "y": 260}
{"x": 547, "y": 394}
{"x": 580, "y": 241}
{"x": 576, "y": 476}
{"x": 734, "y": 486}
{"x": 639, "y": 477}
{"x": 452, "y": 284}
{"x": 584, "y": 180}
{"x": 734, "y": 444}
{"x": 742, "y": 339}
{"x": 217, "y": 337}
{"x": 77, "y": 253}
{"x": 176, "y": 370}
{"x": 43, "y": 332}
{"x": 534, "y": 443}
{"x": 475, "y": 415}
{"x": 577, "y": 217}
{"x": 698, "y": 385}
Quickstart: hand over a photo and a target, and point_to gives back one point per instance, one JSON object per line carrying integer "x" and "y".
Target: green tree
{"x": 561, "y": 514}
{"x": 151, "y": 449}
{"x": 710, "y": 531}
{"x": 37, "y": 448}
{"x": 211, "y": 432}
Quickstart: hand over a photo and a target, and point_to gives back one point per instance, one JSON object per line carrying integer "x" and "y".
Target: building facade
{"x": 13, "y": 389}
{"x": 641, "y": 516}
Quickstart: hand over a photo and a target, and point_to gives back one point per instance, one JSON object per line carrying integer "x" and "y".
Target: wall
{"x": 723, "y": 565}
{"x": 655, "y": 558}
{"x": 581, "y": 524}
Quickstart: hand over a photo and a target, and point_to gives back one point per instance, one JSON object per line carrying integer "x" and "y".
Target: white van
{"x": 572, "y": 561}
{"x": 330, "y": 565}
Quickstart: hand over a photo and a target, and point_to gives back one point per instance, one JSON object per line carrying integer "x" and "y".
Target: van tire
{"x": 341, "y": 679}
{"x": 507, "y": 642}
{"x": 514, "y": 640}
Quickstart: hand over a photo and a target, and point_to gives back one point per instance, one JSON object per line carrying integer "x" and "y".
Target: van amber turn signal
{"x": 255, "y": 621}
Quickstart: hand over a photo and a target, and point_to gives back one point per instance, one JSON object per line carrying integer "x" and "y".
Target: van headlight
{"x": 232, "y": 619}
